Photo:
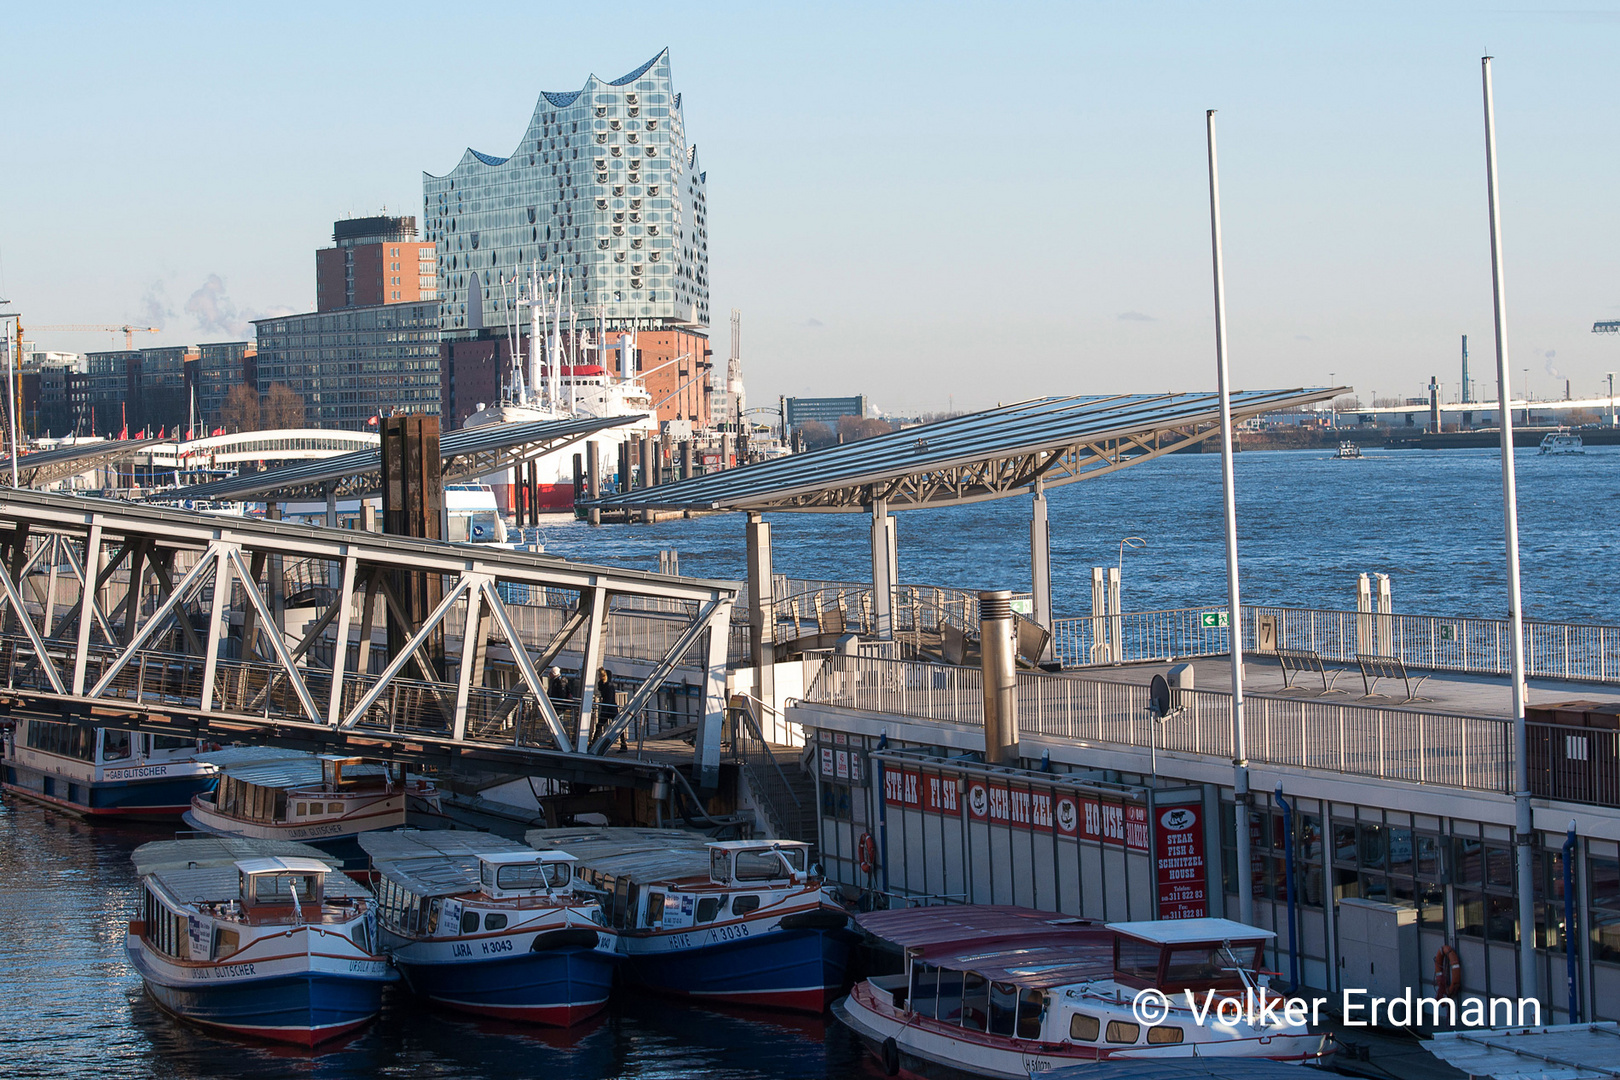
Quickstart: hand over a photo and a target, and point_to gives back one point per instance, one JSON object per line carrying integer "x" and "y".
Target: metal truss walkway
{"x": 127, "y": 615}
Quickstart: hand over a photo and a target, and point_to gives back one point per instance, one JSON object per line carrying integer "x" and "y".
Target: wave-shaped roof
{"x": 563, "y": 99}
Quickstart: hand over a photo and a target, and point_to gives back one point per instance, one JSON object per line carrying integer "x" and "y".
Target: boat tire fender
{"x": 1447, "y": 972}
{"x": 572, "y": 938}
{"x": 820, "y": 919}
{"x": 891, "y": 1057}
{"x": 866, "y": 851}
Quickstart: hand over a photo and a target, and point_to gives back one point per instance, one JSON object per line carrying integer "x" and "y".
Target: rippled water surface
{"x": 71, "y": 1006}
{"x": 1308, "y": 524}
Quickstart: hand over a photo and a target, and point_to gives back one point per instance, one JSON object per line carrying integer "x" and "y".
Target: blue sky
{"x": 932, "y": 204}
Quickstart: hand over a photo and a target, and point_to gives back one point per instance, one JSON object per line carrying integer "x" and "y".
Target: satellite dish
{"x": 1159, "y": 697}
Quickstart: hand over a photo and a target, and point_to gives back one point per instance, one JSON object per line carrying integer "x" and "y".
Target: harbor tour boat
{"x": 321, "y": 799}
{"x": 1005, "y": 991}
{"x": 492, "y": 927}
{"x": 746, "y": 922}
{"x": 1562, "y": 442}
{"x": 1347, "y": 450}
{"x": 103, "y": 773}
{"x": 255, "y": 937}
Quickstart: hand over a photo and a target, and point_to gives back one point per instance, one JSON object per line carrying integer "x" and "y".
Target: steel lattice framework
{"x": 46, "y": 467}
{"x": 114, "y": 611}
{"x": 986, "y": 455}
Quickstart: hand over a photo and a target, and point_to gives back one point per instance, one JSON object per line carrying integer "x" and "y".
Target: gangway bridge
{"x": 167, "y": 621}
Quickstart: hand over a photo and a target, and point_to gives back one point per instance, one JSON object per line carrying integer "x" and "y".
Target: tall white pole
{"x": 1240, "y": 756}
{"x": 1529, "y": 981}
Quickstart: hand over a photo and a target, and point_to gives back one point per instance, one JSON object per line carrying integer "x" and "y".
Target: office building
{"x": 374, "y": 260}
{"x": 220, "y": 366}
{"x": 825, "y": 410}
{"x": 352, "y": 364}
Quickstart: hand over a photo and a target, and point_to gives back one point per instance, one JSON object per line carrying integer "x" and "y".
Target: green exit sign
{"x": 1213, "y": 618}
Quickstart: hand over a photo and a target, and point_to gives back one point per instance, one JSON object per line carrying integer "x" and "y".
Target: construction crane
{"x": 129, "y": 332}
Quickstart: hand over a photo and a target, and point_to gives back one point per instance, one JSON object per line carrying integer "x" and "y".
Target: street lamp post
{"x": 1611, "y": 399}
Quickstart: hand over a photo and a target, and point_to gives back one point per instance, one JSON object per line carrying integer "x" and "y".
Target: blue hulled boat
{"x": 746, "y": 922}
{"x": 258, "y": 938}
{"x": 103, "y": 773}
{"x": 491, "y": 927}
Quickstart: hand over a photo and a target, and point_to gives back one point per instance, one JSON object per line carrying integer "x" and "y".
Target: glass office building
{"x": 603, "y": 189}
{"x": 352, "y": 364}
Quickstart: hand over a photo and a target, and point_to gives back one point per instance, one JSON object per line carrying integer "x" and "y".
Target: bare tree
{"x": 815, "y": 434}
{"x": 241, "y": 411}
{"x": 856, "y": 428}
{"x": 283, "y": 408}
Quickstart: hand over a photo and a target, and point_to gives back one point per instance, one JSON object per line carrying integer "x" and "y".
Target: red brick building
{"x": 377, "y": 260}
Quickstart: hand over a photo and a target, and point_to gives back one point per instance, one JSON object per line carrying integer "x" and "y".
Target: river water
{"x": 71, "y": 1006}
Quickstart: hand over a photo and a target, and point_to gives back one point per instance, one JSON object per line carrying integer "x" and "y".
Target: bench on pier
{"x": 1374, "y": 668}
{"x": 1294, "y": 661}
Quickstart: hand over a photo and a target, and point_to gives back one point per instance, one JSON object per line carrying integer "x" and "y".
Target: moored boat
{"x": 325, "y": 800}
{"x": 258, "y": 938}
{"x": 104, "y": 773}
{"x": 1004, "y": 992}
{"x": 747, "y": 922}
{"x": 490, "y": 926}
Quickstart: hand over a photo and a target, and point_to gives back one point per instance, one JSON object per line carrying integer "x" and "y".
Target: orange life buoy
{"x": 866, "y": 852}
{"x": 1447, "y": 972}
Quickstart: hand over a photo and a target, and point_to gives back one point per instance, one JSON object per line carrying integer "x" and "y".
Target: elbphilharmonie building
{"x": 603, "y": 190}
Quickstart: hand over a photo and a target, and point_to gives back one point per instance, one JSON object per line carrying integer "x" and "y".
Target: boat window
{"x": 1003, "y": 1007}
{"x": 1200, "y": 966}
{"x": 719, "y": 860}
{"x": 1123, "y": 1031}
{"x": 115, "y": 745}
{"x": 709, "y": 907}
{"x": 924, "y": 994}
{"x": 1139, "y": 959}
{"x": 521, "y": 876}
{"x": 334, "y": 808}
{"x": 226, "y": 942}
{"x": 948, "y": 995}
{"x": 655, "y": 909}
{"x": 1160, "y": 1034}
{"x": 434, "y": 907}
{"x": 558, "y": 874}
{"x": 495, "y": 920}
{"x": 300, "y": 809}
{"x": 1083, "y": 1028}
{"x": 172, "y": 742}
{"x": 744, "y": 904}
{"x": 767, "y": 865}
{"x": 975, "y": 1001}
{"x": 469, "y": 922}
{"x": 1031, "y": 1011}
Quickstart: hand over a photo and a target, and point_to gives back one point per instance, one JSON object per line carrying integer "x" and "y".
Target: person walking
{"x": 607, "y": 704}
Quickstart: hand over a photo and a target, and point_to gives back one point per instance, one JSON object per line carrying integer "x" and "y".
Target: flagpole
{"x": 1240, "y": 757}
{"x": 1523, "y": 830}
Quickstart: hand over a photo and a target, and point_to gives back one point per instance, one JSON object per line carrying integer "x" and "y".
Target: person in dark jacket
{"x": 607, "y": 703}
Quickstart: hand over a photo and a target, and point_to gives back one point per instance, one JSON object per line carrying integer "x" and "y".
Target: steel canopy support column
{"x": 1529, "y": 980}
{"x": 340, "y": 642}
{"x": 471, "y": 666}
{"x": 762, "y": 608}
{"x": 884, "y": 570}
{"x": 1040, "y": 563}
{"x": 595, "y": 640}
{"x": 88, "y": 606}
{"x": 1240, "y": 757}
{"x": 706, "y": 746}
{"x": 217, "y": 628}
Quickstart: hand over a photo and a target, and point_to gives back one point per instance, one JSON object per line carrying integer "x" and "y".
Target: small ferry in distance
{"x": 1348, "y": 450}
{"x": 489, "y": 926}
{"x": 103, "y": 773}
{"x": 1005, "y": 992}
{"x": 1562, "y": 442}
{"x": 255, "y": 937}
{"x": 745, "y": 922}
{"x": 322, "y": 799}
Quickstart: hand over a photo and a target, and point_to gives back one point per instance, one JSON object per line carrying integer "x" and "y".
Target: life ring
{"x": 891, "y": 1057}
{"x": 866, "y": 852}
{"x": 1447, "y": 972}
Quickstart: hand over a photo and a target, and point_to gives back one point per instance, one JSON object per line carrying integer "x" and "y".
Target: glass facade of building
{"x": 603, "y": 189}
{"x": 354, "y": 363}
{"x": 220, "y": 366}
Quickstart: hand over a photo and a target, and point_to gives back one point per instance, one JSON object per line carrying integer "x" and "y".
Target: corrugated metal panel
{"x": 863, "y": 470}
{"x": 367, "y": 464}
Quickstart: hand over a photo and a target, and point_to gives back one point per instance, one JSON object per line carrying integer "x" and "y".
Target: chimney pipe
{"x": 1000, "y": 674}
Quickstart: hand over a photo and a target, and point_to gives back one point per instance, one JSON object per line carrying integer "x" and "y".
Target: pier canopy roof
{"x": 43, "y": 468}
{"x": 984, "y": 455}
{"x": 464, "y": 454}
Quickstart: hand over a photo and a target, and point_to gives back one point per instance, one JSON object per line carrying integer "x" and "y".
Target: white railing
{"x": 1392, "y": 744}
{"x": 1553, "y": 650}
